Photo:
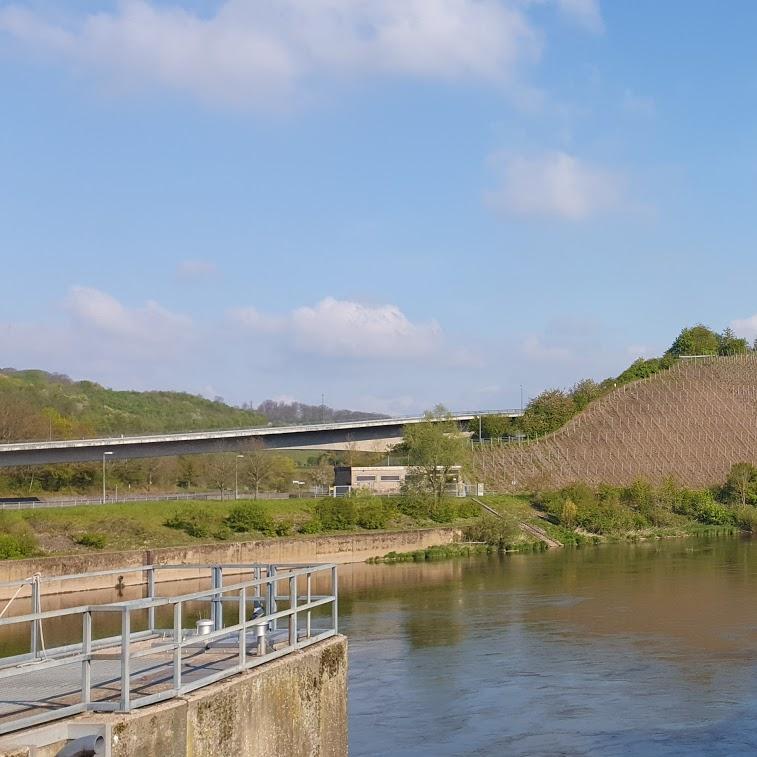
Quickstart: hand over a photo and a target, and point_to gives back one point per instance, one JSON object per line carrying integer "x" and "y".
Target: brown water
{"x": 620, "y": 650}
{"x": 645, "y": 649}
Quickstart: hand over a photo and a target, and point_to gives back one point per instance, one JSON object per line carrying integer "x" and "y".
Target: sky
{"x": 393, "y": 203}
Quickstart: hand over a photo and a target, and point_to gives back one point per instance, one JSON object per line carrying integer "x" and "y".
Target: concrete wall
{"x": 295, "y": 706}
{"x": 317, "y": 549}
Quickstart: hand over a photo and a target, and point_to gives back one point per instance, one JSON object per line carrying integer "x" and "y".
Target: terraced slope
{"x": 692, "y": 422}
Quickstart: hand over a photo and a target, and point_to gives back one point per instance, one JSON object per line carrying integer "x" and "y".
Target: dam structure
{"x": 691, "y": 422}
{"x": 251, "y": 663}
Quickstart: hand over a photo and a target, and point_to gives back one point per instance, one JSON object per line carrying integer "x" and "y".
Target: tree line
{"x": 553, "y": 408}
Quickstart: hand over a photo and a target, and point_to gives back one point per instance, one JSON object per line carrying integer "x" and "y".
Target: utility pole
{"x": 236, "y": 476}
{"x": 323, "y": 408}
{"x": 521, "y": 399}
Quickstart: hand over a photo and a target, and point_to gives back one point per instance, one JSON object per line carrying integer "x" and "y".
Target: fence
{"x": 274, "y": 608}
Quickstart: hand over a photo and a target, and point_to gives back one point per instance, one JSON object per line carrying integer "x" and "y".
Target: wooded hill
{"x": 39, "y": 405}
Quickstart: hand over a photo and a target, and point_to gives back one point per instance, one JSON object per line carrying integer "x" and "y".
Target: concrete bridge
{"x": 368, "y": 435}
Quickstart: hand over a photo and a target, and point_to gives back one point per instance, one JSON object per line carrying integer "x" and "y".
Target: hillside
{"x": 691, "y": 422}
{"x": 287, "y": 413}
{"x": 40, "y": 405}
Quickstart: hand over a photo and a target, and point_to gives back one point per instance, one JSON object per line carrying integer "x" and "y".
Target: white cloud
{"x": 342, "y": 328}
{"x": 261, "y": 52}
{"x": 145, "y": 327}
{"x": 745, "y": 327}
{"x": 196, "y": 270}
{"x": 556, "y": 185}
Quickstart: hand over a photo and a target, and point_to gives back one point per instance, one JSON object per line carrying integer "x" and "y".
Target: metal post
{"x": 243, "y": 629}
{"x": 125, "y": 671}
{"x": 335, "y": 603}
{"x": 151, "y": 595}
{"x": 177, "y": 637}
{"x": 293, "y": 607}
{"x": 216, "y": 608}
{"x": 86, "y": 663}
{"x": 310, "y": 575}
{"x": 36, "y": 607}
{"x": 271, "y": 599}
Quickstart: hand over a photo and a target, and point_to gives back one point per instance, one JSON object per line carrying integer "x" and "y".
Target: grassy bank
{"x": 148, "y": 525}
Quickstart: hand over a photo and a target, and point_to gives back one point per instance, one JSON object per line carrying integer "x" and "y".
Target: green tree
{"x": 730, "y": 344}
{"x": 697, "y": 340}
{"x": 493, "y": 426}
{"x": 435, "y": 448}
{"x": 741, "y": 484}
{"x": 584, "y": 392}
{"x": 547, "y": 412}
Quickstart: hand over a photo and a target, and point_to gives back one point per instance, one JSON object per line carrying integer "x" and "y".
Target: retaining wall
{"x": 296, "y": 705}
{"x": 317, "y": 549}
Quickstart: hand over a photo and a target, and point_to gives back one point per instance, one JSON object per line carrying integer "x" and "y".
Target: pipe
{"x": 86, "y": 746}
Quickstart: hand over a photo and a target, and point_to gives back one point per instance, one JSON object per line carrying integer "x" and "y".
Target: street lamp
{"x": 236, "y": 475}
{"x": 105, "y": 454}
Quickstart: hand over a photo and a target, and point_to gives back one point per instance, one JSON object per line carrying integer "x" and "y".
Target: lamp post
{"x": 236, "y": 475}
{"x": 105, "y": 455}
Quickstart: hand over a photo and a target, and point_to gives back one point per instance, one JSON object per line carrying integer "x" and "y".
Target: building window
{"x": 390, "y": 478}
{"x": 366, "y": 478}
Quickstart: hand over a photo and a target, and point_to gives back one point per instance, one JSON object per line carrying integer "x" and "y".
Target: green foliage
{"x": 641, "y": 369}
{"x": 336, "y": 514}
{"x": 193, "y": 519}
{"x": 491, "y": 530}
{"x": 69, "y": 409}
{"x": 443, "y": 510}
{"x": 547, "y": 412}
{"x": 467, "y": 508}
{"x": 435, "y": 447}
{"x": 96, "y": 541}
{"x": 741, "y": 484}
{"x": 17, "y": 540}
{"x": 375, "y": 513}
{"x": 697, "y": 340}
{"x": 312, "y": 526}
{"x": 493, "y": 426}
{"x": 249, "y": 516}
{"x": 730, "y": 344}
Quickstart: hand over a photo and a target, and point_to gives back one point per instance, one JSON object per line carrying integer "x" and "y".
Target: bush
{"x": 17, "y": 540}
{"x": 96, "y": 541}
{"x": 281, "y": 528}
{"x": 374, "y": 514}
{"x": 490, "y": 530}
{"x": 249, "y": 516}
{"x": 467, "y": 508}
{"x": 416, "y": 505}
{"x": 194, "y": 520}
{"x": 443, "y": 511}
{"x": 313, "y": 526}
{"x": 336, "y": 514}
{"x": 746, "y": 518}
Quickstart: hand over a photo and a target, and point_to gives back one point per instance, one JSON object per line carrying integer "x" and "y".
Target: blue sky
{"x": 393, "y": 202}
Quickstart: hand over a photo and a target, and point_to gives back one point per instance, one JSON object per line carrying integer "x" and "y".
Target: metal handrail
{"x": 261, "y": 592}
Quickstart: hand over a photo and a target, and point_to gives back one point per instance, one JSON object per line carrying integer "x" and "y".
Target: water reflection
{"x": 630, "y": 649}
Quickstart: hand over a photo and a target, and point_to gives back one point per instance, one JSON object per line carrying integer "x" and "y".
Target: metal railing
{"x": 275, "y": 611}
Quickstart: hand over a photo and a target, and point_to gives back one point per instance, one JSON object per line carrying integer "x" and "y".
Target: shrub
{"x": 416, "y": 505}
{"x": 313, "y": 526}
{"x": 336, "y": 514}
{"x": 490, "y": 530}
{"x": 281, "y": 528}
{"x": 374, "y": 514}
{"x": 746, "y": 517}
{"x": 96, "y": 541}
{"x": 443, "y": 510}
{"x": 248, "y": 516}
{"x": 17, "y": 540}
{"x": 194, "y": 520}
{"x": 467, "y": 508}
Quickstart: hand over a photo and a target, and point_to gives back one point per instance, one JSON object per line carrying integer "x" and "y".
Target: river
{"x": 628, "y": 649}
{"x": 642, "y": 649}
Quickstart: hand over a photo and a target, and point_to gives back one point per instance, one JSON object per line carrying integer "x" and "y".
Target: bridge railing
{"x": 250, "y": 614}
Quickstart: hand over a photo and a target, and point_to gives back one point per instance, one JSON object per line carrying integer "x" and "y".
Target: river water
{"x": 640, "y": 649}
{"x": 645, "y": 649}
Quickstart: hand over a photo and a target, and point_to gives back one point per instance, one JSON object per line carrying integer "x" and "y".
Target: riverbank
{"x": 341, "y": 548}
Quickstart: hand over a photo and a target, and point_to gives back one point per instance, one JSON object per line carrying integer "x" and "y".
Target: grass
{"x": 145, "y": 525}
